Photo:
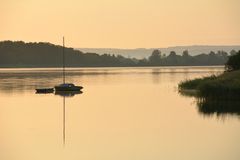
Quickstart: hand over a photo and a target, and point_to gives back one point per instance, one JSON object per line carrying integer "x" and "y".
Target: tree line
{"x": 21, "y": 54}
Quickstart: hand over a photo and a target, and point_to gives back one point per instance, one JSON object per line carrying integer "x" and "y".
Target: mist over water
{"x": 123, "y": 113}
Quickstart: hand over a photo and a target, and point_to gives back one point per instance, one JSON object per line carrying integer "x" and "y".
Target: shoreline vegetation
{"x": 227, "y": 83}
{"x": 218, "y": 94}
{"x": 19, "y": 54}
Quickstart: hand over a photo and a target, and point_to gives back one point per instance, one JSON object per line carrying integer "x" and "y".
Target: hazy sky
{"x": 122, "y": 23}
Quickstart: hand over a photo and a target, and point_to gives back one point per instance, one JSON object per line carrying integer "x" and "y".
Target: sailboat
{"x": 66, "y": 86}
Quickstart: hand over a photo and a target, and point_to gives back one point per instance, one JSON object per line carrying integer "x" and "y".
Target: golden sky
{"x": 122, "y": 23}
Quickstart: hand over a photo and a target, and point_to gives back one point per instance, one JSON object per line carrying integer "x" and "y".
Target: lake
{"x": 122, "y": 114}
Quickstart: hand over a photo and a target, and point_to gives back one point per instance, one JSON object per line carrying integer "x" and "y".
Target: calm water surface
{"x": 122, "y": 114}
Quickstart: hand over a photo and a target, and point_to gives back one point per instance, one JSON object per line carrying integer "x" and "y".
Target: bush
{"x": 195, "y": 84}
{"x": 227, "y": 83}
{"x": 233, "y": 62}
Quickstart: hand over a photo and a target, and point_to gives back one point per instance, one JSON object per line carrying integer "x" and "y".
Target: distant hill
{"x": 42, "y": 54}
{"x": 146, "y": 52}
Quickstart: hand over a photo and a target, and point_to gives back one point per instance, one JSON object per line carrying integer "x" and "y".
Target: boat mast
{"x": 63, "y": 62}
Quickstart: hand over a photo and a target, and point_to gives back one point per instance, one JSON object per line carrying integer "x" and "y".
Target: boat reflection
{"x": 64, "y": 122}
{"x": 67, "y": 93}
{"x": 63, "y": 94}
{"x": 44, "y": 91}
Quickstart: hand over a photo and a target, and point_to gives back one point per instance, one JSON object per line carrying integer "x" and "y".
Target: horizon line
{"x": 173, "y": 46}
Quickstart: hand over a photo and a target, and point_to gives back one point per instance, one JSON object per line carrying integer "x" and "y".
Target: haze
{"x": 122, "y": 23}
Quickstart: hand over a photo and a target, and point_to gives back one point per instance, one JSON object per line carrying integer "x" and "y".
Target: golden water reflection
{"x": 124, "y": 113}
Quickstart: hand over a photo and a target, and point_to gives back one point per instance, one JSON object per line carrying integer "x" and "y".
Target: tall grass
{"x": 194, "y": 84}
{"x": 226, "y": 84}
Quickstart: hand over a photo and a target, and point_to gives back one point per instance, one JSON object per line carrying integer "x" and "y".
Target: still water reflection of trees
{"x": 21, "y": 80}
{"x": 220, "y": 106}
{"x": 24, "y": 81}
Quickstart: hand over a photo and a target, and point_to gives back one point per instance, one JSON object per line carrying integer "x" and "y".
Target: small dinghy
{"x": 44, "y": 90}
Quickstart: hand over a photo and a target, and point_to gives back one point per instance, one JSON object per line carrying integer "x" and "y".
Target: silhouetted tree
{"x": 155, "y": 58}
{"x": 173, "y": 59}
{"x": 212, "y": 54}
{"x": 143, "y": 62}
{"x": 233, "y": 62}
{"x": 172, "y": 54}
{"x": 185, "y": 53}
{"x": 233, "y": 52}
{"x": 186, "y": 58}
{"x": 222, "y": 53}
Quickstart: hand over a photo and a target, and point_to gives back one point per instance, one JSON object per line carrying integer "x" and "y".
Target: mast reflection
{"x": 66, "y": 94}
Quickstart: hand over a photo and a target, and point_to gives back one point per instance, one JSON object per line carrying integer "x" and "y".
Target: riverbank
{"x": 225, "y": 85}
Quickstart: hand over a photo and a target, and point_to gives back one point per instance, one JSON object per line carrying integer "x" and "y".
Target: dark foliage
{"x": 217, "y": 94}
{"x": 227, "y": 83}
{"x": 20, "y": 54}
{"x": 219, "y": 105}
{"x": 234, "y": 62}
